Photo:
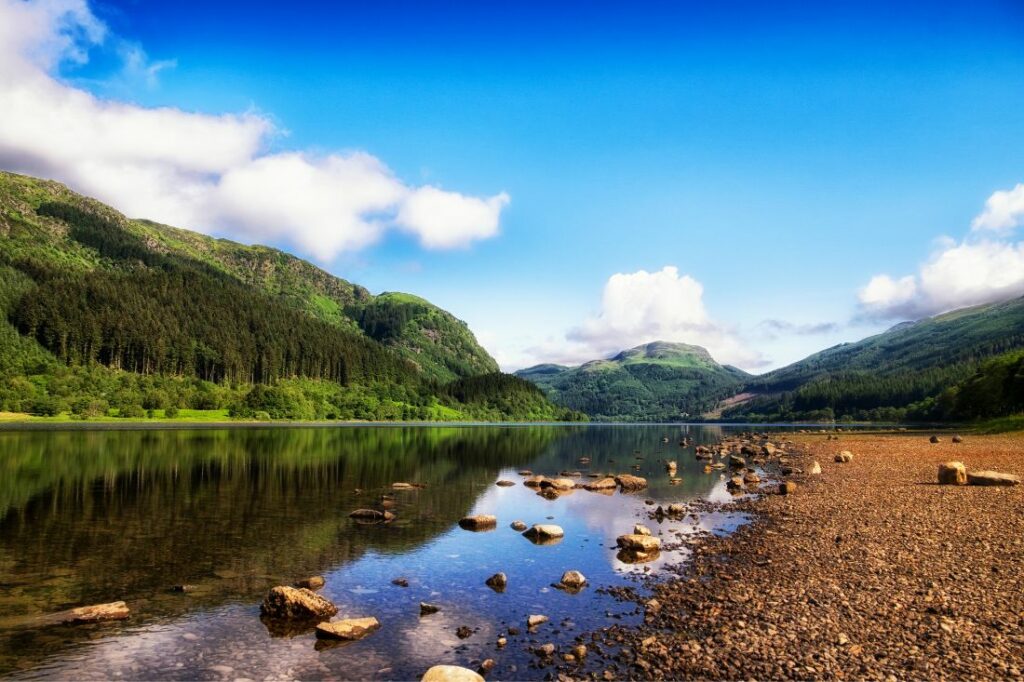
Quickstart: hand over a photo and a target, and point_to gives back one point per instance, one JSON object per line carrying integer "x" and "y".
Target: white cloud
{"x": 641, "y": 307}
{"x": 206, "y": 172}
{"x": 1004, "y": 211}
{"x": 958, "y": 274}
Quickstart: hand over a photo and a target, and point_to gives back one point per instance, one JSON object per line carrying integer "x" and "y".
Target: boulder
{"x": 504, "y": 483}
{"x": 450, "y": 673}
{"x": 497, "y": 582}
{"x": 535, "y": 620}
{"x": 558, "y": 483}
{"x": 296, "y": 603}
{"x": 958, "y": 439}
{"x": 479, "y": 522}
{"x": 952, "y": 473}
{"x": 544, "y": 532}
{"x": 934, "y": 439}
{"x": 606, "y": 483}
{"x": 676, "y": 509}
{"x": 991, "y": 478}
{"x": 546, "y": 650}
{"x": 312, "y": 583}
{"x": 629, "y": 483}
{"x": 640, "y": 529}
{"x": 518, "y": 525}
{"x": 427, "y": 609}
{"x": 573, "y": 580}
{"x": 400, "y": 582}
{"x": 635, "y": 542}
{"x": 348, "y": 629}
{"x": 534, "y": 481}
{"x": 815, "y": 469}
{"x": 97, "y": 613}
{"x": 844, "y": 457}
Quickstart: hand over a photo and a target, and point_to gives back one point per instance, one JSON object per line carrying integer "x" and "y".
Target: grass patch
{"x": 1001, "y": 425}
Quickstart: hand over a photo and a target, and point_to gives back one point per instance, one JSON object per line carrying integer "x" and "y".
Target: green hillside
{"x": 658, "y": 381}
{"x": 107, "y": 315}
{"x": 882, "y": 376}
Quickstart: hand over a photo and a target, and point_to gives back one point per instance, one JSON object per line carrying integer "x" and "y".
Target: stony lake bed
{"x": 192, "y": 528}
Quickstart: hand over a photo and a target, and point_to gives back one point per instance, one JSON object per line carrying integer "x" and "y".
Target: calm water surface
{"x": 96, "y": 516}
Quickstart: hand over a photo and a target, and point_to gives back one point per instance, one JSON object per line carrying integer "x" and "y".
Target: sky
{"x": 763, "y": 179}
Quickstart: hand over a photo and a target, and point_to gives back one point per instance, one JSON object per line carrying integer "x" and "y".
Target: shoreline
{"x": 868, "y": 571}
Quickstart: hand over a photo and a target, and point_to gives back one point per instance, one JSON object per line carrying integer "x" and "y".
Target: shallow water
{"x": 96, "y": 516}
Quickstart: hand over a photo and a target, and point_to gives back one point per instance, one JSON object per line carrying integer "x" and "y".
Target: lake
{"x": 96, "y": 516}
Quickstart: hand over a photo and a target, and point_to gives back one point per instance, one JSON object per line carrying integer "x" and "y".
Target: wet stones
{"x": 558, "y": 483}
{"x": 296, "y": 603}
{"x": 504, "y": 484}
{"x": 97, "y": 613}
{"x": 735, "y": 484}
{"x": 428, "y": 609}
{"x": 534, "y": 481}
{"x": 450, "y": 673}
{"x": 479, "y": 522}
{"x": 546, "y": 650}
{"x": 497, "y": 582}
{"x": 311, "y": 583}
{"x": 751, "y": 478}
{"x": 400, "y": 582}
{"x": 572, "y": 581}
{"x": 737, "y": 462}
{"x": 535, "y": 620}
{"x": 639, "y": 543}
{"x": 629, "y": 483}
{"x": 991, "y": 478}
{"x": 544, "y": 533}
{"x": 606, "y": 483}
{"x": 348, "y": 629}
{"x": 952, "y": 473}
{"x": 518, "y": 525}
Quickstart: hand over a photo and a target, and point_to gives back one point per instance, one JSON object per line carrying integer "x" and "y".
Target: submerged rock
{"x": 479, "y": 522}
{"x": 735, "y": 484}
{"x": 374, "y": 515}
{"x": 400, "y": 582}
{"x": 96, "y": 613}
{"x": 630, "y": 483}
{"x": 991, "y": 478}
{"x": 427, "y": 609}
{"x": 504, "y": 483}
{"x": 450, "y": 673}
{"x": 348, "y": 629}
{"x": 463, "y": 631}
{"x": 296, "y": 603}
{"x": 952, "y": 473}
{"x": 497, "y": 582}
{"x": 311, "y": 583}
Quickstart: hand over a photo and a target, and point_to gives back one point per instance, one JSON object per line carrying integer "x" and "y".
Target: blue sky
{"x": 781, "y": 157}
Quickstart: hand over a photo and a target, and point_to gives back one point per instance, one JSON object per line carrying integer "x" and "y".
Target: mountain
{"x": 887, "y": 376}
{"x": 100, "y": 308}
{"x": 658, "y": 381}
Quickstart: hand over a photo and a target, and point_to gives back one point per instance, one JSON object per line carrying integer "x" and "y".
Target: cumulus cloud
{"x": 641, "y": 307}
{"x": 979, "y": 269}
{"x": 206, "y": 172}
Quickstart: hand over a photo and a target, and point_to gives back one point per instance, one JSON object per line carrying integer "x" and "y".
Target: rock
{"x": 573, "y": 580}
{"x": 312, "y": 583}
{"x": 400, "y": 582}
{"x": 815, "y": 469}
{"x": 183, "y": 588}
{"x": 958, "y": 439}
{"x": 502, "y": 641}
{"x": 406, "y": 486}
{"x": 991, "y": 478}
{"x": 348, "y": 629}
{"x": 535, "y": 620}
{"x": 534, "y": 481}
{"x": 652, "y": 605}
{"x": 558, "y": 483}
{"x": 671, "y": 467}
{"x": 735, "y": 483}
{"x": 518, "y": 525}
{"x": 579, "y": 651}
{"x": 427, "y": 609}
{"x": 606, "y": 483}
{"x": 551, "y": 493}
{"x": 639, "y": 529}
{"x": 463, "y": 631}
{"x": 737, "y": 462}
{"x": 643, "y": 543}
{"x": 844, "y": 457}
{"x": 450, "y": 673}
{"x": 479, "y": 522}
{"x": 296, "y": 603}
{"x": 546, "y": 650}
{"x": 542, "y": 533}
{"x": 934, "y": 439}
{"x": 751, "y": 478}
{"x": 787, "y": 487}
{"x": 486, "y": 666}
{"x": 952, "y": 473}
{"x": 526, "y": 472}
{"x": 505, "y": 484}
{"x": 371, "y": 515}
{"x": 676, "y": 509}
{"x": 497, "y": 582}
{"x": 97, "y": 613}
{"x": 630, "y": 483}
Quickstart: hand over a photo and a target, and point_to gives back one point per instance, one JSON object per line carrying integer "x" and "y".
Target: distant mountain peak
{"x": 663, "y": 349}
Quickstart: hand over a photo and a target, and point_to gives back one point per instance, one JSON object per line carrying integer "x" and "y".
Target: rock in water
{"x": 642, "y": 543}
{"x": 312, "y": 583}
{"x": 630, "y": 483}
{"x": 751, "y": 478}
{"x": 953, "y": 473}
{"x": 296, "y": 603}
{"x": 371, "y": 515}
{"x": 544, "y": 532}
{"x": 505, "y": 484}
{"x": 116, "y": 610}
{"x": 535, "y": 620}
{"x": 606, "y": 483}
{"x": 991, "y": 478}
{"x": 534, "y": 481}
{"x": 450, "y": 673}
{"x": 558, "y": 483}
{"x": 427, "y": 609}
{"x": 348, "y": 629}
{"x": 573, "y": 580}
{"x": 735, "y": 483}
{"x": 519, "y": 526}
{"x": 639, "y": 529}
{"x": 480, "y": 522}
{"x": 497, "y": 582}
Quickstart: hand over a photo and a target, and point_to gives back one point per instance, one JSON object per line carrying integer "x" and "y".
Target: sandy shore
{"x": 868, "y": 571}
